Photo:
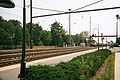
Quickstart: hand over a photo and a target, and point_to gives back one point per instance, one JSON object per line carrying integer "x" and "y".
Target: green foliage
{"x": 17, "y": 33}
{"x": 56, "y": 33}
{"x": 79, "y": 68}
{"x": 46, "y": 38}
{"x": 11, "y": 35}
{"x": 108, "y": 73}
{"x": 36, "y": 34}
{"x": 80, "y": 38}
{"x": 65, "y": 39}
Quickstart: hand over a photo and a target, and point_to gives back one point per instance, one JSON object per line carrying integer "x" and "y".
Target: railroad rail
{"x": 10, "y": 57}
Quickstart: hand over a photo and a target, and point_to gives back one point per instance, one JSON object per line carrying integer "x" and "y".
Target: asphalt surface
{"x": 11, "y": 72}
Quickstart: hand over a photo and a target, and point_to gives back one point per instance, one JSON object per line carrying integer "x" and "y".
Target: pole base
{"x": 22, "y": 71}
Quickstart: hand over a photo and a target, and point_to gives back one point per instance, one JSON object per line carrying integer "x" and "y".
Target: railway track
{"x": 14, "y": 56}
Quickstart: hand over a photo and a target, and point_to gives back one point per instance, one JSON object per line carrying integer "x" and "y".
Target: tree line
{"x": 11, "y": 35}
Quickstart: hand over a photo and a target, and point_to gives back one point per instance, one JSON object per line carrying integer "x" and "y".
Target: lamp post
{"x": 98, "y": 35}
{"x": 23, "y": 60}
{"x": 117, "y": 17}
{"x": 69, "y": 28}
{"x": 7, "y": 4}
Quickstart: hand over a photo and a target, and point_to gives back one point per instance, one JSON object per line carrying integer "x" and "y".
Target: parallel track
{"x": 14, "y": 57}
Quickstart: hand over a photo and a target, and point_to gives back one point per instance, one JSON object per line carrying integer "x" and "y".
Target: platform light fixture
{"x": 7, "y": 3}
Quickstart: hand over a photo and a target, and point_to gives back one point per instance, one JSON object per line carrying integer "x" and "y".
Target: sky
{"x": 79, "y": 21}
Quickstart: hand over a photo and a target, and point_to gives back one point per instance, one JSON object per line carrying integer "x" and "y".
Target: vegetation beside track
{"x": 79, "y": 68}
{"x": 106, "y": 71}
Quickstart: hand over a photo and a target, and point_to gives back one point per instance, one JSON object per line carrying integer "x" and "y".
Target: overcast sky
{"x": 79, "y": 21}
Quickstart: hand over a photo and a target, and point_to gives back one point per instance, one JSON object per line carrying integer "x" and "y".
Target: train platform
{"x": 117, "y": 64}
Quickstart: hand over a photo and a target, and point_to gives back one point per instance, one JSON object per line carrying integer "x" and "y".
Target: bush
{"x": 79, "y": 68}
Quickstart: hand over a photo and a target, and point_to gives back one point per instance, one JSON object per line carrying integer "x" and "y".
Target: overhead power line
{"x": 64, "y": 11}
{"x": 88, "y": 5}
{"x": 102, "y": 9}
{"x": 46, "y": 9}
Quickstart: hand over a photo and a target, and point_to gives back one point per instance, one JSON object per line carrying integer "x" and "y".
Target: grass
{"x": 108, "y": 73}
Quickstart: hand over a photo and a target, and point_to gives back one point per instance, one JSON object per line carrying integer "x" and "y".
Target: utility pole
{"x": 95, "y": 35}
{"x": 117, "y": 16}
{"x": 30, "y": 24}
{"x": 102, "y": 38}
{"x": 106, "y": 43}
{"x": 90, "y": 30}
{"x": 98, "y": 36}
{"x": 69, "y": 28}
{"x": 90, "y": 19}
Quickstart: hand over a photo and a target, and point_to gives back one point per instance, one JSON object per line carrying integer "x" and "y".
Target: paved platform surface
{"x": 11, "y": 72}
{"x": 117, "y": 64}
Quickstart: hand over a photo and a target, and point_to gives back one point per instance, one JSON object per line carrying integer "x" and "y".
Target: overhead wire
{"x": 64, "y": 11}
{"x": 93, "y": 10}
{"x": 87, "y": 5}
{"x": 70, "y": 11}
{"x": 53, "y": 10}
{"x": 47, "y": 9}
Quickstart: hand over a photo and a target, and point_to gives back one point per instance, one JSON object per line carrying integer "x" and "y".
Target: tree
{"x": 3, "y": 37}
{"x": 46, "y": 38}
{"x": 10, "y": 33}
{"x": 76, "y": 39}
{"x": 7, "y": 31}
{"x": 57, "y": 34}
{"x": 1, "y": 21}
{"x": 84, "y": 35}
{"x": 17, "y": 33}
{"x": 65, "y": 39}
{"x": 37, "y": 34}
{"x": 80, "y": 38}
